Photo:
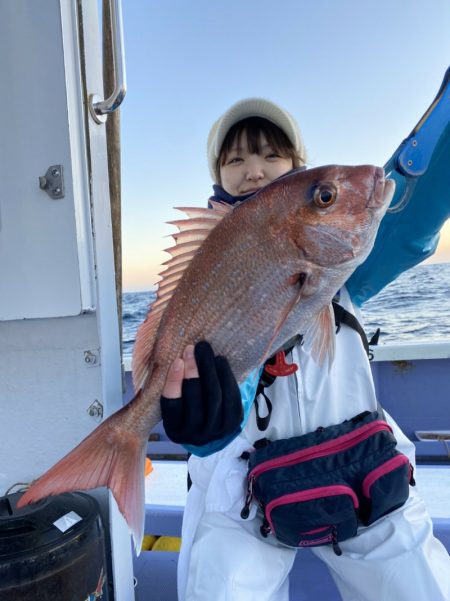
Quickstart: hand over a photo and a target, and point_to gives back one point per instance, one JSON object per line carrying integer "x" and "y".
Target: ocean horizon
{"x": 413, "y": 308}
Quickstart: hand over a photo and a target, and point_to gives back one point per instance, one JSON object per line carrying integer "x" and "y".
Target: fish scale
{"x": 227, "y": 340}
{"x": 260, "y": 272}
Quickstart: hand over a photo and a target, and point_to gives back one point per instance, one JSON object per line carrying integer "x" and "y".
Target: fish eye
{"x": 324, "y": 195}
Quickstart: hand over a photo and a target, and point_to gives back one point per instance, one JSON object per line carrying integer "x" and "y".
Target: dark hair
{"x": 253, "y": 127}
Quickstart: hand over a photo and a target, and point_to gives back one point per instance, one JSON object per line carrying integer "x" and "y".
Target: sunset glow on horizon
{"x": 141, "y": 274}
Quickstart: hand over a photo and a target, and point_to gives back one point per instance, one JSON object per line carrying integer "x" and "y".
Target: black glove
{"x": 210, "y": 407}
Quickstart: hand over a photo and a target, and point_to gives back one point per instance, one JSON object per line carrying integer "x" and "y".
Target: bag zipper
{"x": 331, "y": 538}
{"x": 387, "y": 467}
{"x": 310, "y": 495}
{"x": 321, "y": 450}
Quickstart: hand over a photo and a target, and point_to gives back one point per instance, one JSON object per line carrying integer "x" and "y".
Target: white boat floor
{"x": 167, "y": 485}
{"x": 433, "y": 484}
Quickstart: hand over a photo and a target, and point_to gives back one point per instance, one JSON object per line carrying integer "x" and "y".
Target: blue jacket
{"x": 411, "y": 235}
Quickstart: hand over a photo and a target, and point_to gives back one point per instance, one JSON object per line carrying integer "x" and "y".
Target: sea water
{"x": 413, "y": 308}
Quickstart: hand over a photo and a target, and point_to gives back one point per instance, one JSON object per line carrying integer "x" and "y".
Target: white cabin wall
{"x": 43, "y": 332}
{"x": 42, "y": 240}
{"x": 45, "y": 392}
{"x": 57, "y": 285}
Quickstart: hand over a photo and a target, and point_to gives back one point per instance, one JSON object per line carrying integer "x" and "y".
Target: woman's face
{"x": 245, "y": 173}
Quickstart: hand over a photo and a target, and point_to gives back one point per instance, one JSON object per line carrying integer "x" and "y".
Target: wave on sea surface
{"x": 413, "y": 308}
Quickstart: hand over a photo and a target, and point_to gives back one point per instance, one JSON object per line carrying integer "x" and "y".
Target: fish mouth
{"x": 389, "y": 191}
{"x": 382, "y": 194}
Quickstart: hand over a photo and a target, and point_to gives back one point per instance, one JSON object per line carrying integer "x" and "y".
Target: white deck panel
{"x": 433, "y": 484}
{"x": 167, "y": 484}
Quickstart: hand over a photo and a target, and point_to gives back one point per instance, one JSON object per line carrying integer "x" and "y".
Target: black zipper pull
{"x": 265, "y": 528}
{"x": 336, "y": 548}
{"x": 248, "y": 500}
{"x": 412, "y": 481}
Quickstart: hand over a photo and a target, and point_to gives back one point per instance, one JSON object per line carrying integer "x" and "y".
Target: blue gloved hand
{"x": 201, "y": 401}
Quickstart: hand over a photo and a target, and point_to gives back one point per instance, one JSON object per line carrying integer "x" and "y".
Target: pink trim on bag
{"x": 325, "y": 448}
{"x": 316, "y": 530}
{"x": 382, "y": 470}
{"x": 325, "y": 538}
{"x": 309, "y": 495}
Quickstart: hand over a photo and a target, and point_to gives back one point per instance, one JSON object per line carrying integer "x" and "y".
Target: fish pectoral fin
{"x": 110, "y": 456}
{"x": 284, "y": 313}
{"x": 320, "y": 337}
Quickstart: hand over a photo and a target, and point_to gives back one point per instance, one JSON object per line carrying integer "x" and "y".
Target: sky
{"x": 356, "y": 74}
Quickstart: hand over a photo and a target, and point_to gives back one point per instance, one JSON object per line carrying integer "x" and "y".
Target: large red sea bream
{"x": 246, "y": 279}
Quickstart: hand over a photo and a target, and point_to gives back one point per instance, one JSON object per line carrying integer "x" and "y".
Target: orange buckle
{"x": 280, "y": 367}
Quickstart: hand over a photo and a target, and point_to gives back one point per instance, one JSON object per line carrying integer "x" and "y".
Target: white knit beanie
{"x": 251, "y": 107}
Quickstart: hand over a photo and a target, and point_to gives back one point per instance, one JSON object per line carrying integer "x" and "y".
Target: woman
{"x": 223, "y": 556}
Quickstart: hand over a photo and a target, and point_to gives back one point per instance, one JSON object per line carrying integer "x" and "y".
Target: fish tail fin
{"x": 110, "y": 456}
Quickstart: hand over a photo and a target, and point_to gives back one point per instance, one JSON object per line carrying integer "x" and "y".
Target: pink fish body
{"x": 245, "y": 279}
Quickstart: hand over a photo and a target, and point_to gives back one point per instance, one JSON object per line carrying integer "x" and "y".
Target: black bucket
{"x": 53, "y": 550}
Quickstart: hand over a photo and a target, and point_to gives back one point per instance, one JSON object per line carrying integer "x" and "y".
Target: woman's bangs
{"x": 253, "y": 127}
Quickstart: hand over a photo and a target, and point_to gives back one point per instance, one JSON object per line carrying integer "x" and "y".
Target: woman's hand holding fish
{"x": 201, "y": 401}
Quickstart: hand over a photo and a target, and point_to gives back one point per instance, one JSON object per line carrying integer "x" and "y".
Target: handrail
{"x": 408, "y": 351}
{"x": 405, "y": 351}
{"x": 100, "y": 109}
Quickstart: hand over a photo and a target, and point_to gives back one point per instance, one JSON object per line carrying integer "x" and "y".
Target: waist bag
{"x": 315, "y": 488}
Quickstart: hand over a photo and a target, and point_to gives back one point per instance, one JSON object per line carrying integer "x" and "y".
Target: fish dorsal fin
{"x": 192, "y": 232}
{"x": 320, "y": 337}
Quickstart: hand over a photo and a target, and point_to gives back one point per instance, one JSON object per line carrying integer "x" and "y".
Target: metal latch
{"x": 95, "y": 410}
{"x": 53, "y": 182}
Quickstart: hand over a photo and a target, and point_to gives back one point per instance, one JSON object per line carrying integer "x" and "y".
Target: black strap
{"x": 263, "y": 421}
{"x": 375, "y": 338}
{"x": 341, "y": 316}
{"x": 266, "y": 379}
